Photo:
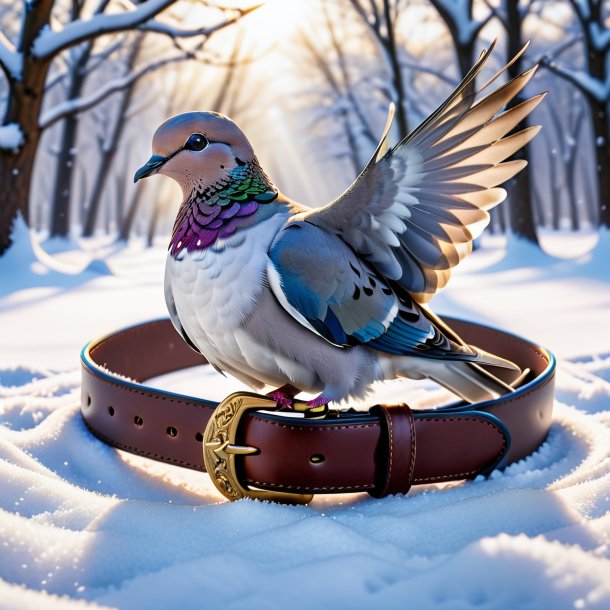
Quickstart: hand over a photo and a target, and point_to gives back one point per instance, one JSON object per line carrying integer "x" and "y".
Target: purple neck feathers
{"x": 218, "y": 211}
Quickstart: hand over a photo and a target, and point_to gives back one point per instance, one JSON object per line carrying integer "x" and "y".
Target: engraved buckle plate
{"x": 220, "y": 448}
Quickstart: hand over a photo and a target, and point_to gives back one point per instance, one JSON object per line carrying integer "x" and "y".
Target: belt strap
{"x": 383, "y": 451}
{"x": 397, "y": 448}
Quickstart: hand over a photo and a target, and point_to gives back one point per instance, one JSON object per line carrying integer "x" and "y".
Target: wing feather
{"x": 327, "y": 288}
{"x": 414, "y": 210}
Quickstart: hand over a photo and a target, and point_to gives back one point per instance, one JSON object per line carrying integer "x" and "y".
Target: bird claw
{"x": 282, "y": 400}
{"x": 318, "y": 401}
{"x": 284, "y": 396}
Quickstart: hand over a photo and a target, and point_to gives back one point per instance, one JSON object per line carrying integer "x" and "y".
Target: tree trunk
{"x": 397, "y": 80}
{"x": 465, "y": 55}
{"x": 592, "y": 20}
{"x": 15, "y": 176}
{"x": 60, "y": 204}
{"x": 522, "y": 219}
{"x": 64, "y": 169}
{"x": 598, "y": 69}
{"x": 23, "y": 108}
{"x": 152, "y": 224}
{"x": 109, "y": 148}
{"x": 97, "y": 191}
{"x": 127, "y": 224}
{"x": 601, "y": 131}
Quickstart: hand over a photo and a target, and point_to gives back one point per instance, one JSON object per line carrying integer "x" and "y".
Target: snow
{"x": 600, "y": 37}
{"x": 84, "y": 526}
{"x": 10, "y": 58}
{"x": 459, "y": 13}
{"x": 11, "y": 136}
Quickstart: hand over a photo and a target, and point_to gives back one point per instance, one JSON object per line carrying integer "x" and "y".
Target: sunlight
{"x": 275, "y": 20}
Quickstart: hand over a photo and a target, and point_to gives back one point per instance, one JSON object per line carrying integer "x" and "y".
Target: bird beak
{"x": 152, "y": 166}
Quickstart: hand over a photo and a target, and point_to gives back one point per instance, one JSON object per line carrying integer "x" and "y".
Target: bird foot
{"x": 282, "y": 401}
{"x": 318, "y": 401}
{"x": 284, "y": 396}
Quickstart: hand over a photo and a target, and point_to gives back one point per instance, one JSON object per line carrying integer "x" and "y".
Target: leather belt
{"x": 251, "y": 450}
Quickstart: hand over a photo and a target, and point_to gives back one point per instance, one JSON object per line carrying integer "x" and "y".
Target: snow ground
{"x": 84, "y": 526}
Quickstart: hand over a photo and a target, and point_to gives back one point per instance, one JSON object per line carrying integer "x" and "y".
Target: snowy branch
{"x": 50, "y": 43}
{"x": 583, "y": 81}
{"x": 597, "y": 33}
{"x": 600, "y": 37}
{"x": 11, "y": 137}
{"x": 11, "y": 61}
{"x": 458, "y": 17}
{"x": 84, "y": 103}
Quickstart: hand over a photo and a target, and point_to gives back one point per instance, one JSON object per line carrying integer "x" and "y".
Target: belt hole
{"x": 138, "y": 421}
{"x": 88, "y": 401}
{"x": 111, "y": 411}
{"x": 317, "y": 458}
{"x": 199, "y": 437}
{"x": 171, "y": 431}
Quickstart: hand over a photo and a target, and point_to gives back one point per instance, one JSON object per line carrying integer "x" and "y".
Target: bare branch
{"x": 476, "y": 30}
{"x": 163, "y": 28}
{"x": 495, "y": 13}
{"x": 362, "y": 13}
{"x": 417, "y": 67}
{"x": 81, "y": 104}
{"x": 99, "y": 58}
{"x": 555, "y": 52}
{"x": 580, "y": 13}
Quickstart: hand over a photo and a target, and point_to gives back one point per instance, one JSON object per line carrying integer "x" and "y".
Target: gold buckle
{"x": 220, "y": 448}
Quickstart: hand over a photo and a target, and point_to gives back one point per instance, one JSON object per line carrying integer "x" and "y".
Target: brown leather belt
{"x": 265, "y": 454}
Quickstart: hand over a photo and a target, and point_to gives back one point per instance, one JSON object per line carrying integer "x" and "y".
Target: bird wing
{"x": 325, "y": 286}
{"x": 414, "y": 210}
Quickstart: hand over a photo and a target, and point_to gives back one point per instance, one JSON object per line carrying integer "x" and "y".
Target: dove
{"x": 332, "y": 299}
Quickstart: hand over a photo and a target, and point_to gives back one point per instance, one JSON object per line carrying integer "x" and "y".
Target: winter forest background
{"x": 84, "y": 84}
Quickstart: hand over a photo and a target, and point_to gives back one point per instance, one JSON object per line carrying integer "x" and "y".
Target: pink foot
{"x": 284, "y": 396}
{"x": 318, "y": 401}
{"x": 282, "y": 400}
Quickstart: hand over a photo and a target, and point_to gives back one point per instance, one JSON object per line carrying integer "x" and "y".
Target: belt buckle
{"x": 220, "y": 446}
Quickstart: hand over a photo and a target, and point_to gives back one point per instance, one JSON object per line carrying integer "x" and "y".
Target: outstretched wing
{"x": 325, "y": 286}
{"x": 415, "y": 209}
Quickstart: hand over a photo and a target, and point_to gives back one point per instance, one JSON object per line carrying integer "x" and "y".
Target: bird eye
{"x": 196, "y": 141}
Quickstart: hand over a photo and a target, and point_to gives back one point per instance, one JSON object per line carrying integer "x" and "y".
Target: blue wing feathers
{"x": 346, "y": 301}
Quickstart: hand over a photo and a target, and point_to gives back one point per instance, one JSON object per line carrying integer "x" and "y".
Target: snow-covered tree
{"x": 381, "y": 17}
{"x": 464, "y": 27}
{"x": 341, "y": 110}
{"x": 26, "y": 65}
{"x": 512, "y": 15}
{"x": 593, "y": 81}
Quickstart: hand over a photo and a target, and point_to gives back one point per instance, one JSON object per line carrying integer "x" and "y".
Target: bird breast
{"x": 217, "y": 289}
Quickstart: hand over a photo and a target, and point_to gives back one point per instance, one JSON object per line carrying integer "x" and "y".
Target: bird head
{"x": 197, "y": 150}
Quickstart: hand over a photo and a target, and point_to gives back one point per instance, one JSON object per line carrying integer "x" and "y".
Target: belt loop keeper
{"x": 396, "y": 456}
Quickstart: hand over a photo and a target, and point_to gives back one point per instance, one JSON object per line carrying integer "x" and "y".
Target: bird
{"x": 329, "y": 300}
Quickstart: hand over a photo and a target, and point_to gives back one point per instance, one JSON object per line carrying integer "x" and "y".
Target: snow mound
{"x": 107, "y": 529}
{"x": 85, "y": 526}
{"x": 27, "y": 265}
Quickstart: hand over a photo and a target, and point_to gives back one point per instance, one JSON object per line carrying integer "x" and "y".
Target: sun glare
{"x": 275, "y": 20}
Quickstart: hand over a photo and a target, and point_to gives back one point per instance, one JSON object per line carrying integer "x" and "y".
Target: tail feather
{"x": 484, "y": 357}
{"x": 468, "y": 380}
